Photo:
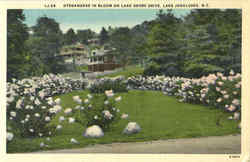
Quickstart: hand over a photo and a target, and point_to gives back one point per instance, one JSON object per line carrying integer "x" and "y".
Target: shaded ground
{"x": 206, "y": 145}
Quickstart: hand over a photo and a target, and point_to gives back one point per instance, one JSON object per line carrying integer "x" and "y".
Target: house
{"x": 77, "y": 54}
{"x": 102, "y": 60}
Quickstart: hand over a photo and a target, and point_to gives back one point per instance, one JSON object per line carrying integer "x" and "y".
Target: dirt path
{"x": 230, "y": 144}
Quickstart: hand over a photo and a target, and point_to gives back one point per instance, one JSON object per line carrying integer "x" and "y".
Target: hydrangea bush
{"x": 214, "y": 90}
{"x": 97, "y": 109}
{"x": 104, "y": 84}
{"x": 30, "y": 106}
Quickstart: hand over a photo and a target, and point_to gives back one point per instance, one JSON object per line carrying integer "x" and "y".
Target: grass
{"x": 160, "y": 117}
{"x": 128, "y": 72}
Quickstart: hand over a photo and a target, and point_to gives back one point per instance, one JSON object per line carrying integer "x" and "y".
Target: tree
{"x": 84, "y": 35}
{"x": 17, "y": 33}
{"x": 163, "y": 42}
{"x": 70, "y": 37}
{"x": 121, "y": 41}
{"x": 48, "y": 38}
{"x": 213, "y": 41}
{"x": 103, "y": 36}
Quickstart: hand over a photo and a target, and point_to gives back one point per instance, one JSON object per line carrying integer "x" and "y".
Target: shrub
{"x": 30, "y": 106}
{"x": 152, "y": 70}
{"x": 98, "y": 109}
{"x": 104, "y": 84}
{"x": 29, "y": 116}
{"x": 218, "y": 90}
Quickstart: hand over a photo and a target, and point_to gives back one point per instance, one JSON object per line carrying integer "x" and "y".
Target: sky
{"x": 95, "y": 19}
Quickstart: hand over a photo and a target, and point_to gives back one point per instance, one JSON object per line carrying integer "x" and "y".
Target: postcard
{"x": 124, "y": 80}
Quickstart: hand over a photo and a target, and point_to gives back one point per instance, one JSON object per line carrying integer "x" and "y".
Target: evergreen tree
{"x": 17, "y": 34}
{"x": 103, "y": 36}
{"x": 70, "y": 37}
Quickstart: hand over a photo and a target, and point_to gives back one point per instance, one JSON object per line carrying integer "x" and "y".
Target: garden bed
{"x": 160, "y": 117}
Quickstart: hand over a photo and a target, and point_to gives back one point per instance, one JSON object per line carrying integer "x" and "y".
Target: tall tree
{"x": 70, "y": 37}
{"x": 84, "y": 35}
{"x": 49, "y": 36}
{"x": 164, "y": 42}
{"x": 17, "y": 33}
{"x": 121, "y": 41}
{"x": 103, "y": 36}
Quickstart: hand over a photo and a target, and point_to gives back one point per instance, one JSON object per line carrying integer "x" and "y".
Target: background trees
{"x": 201, "y": 42}
{"x": 47, "y": 38}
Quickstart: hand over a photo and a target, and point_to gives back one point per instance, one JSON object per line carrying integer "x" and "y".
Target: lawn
{"x": 127, "y": 72}
{"x": 160, "y": 117}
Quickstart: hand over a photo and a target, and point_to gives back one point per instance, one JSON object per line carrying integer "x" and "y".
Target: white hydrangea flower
{"x": 118, "y": 98}
{"x": 107, "y": 114}
{"x": 86, "y": 101}
{"x": 13, "y": 113}
{"x": 58, "y": 101}
{"x": 43, "y": 107}
{"x": 74, "y": 141}
{"x": 77, "y": 99}
{"x": 10, "y": 136}
{"x": 47, "y": 118}
{"x": 106, "y": 102}
{"x": 55, "y": 109}
{"x": 89, "y": 96}
{"x": 109, "y": 93}
{"x": 71, "y": 120}
{"x": 124, "y": 116}
{"x": 42, "y": 144}
{"x": 77, "y": 107}
{"x": 37, "y": 115}
{"x": 68, "y": 111}
{"x": 58, "y": 127}
{"x": 61, "y": 118}
{"x": 19, "y": 104}
{"x": 37, "y": 101}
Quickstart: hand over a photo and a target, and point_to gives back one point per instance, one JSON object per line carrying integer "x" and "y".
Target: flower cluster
{"x": 117, "y": 84}
{"x": 215, "y": 90}
{"x": 97, "y": 109}
{"x": 169, "y": 85}
{"x": 30, "y": 106}
{"x": 31, "y": 114}
{"x": 45, "y": 86}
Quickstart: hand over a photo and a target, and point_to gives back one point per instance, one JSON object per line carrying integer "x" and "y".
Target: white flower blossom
{"x": 58, "y": 127}
{"x": 58, "y": 101}
{"x": 47, "y": 118}
{"x": 74, "y": 141}
{"x": 89, "y": 96}
{"x": 86, "y": 101}
{"x": 124, "y": 116}
{"x": 106, "y": 102}
{"x": 109, "y": 93}
{"x": 10, "y": 136}
{"x": 13, "y": 113}
{"x": 61, "y": 118}
{"x": 37, "y": 102}
{"x": 37, "y": 115}
{"x": 71, "y": 120}
{"x": 118, "y": 98}
{"x": 68, "y": 111}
